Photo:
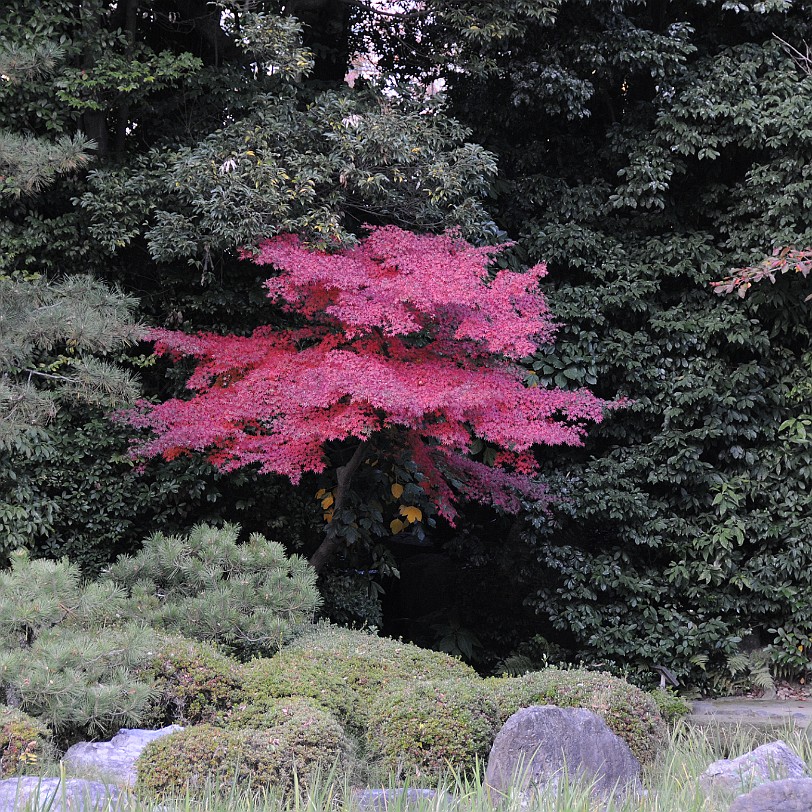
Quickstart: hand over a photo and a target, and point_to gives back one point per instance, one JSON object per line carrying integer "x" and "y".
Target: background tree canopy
{"x": 643, "y": 151}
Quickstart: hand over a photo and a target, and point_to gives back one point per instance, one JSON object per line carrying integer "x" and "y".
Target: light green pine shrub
{"x": 629, "y": 712}
{"x": 194, "y": 683}
{"x": 66, "y": 656}
{"x": 24, "y": 742}
{"x": 249, "y": 597}
{"x": 344, "y": 671}
{"x": 421, "y": 729}
{"x": 200, "y": 757}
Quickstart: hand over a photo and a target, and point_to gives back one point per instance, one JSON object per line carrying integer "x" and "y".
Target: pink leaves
{"x": 406, "y": 335}
{"x": 403, "y": 283}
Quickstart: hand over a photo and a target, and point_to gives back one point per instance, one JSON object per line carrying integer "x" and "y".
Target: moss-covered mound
{"x": 195, "y": 683}
{"x": 344, "y": 671}
{"x": 629, "y": 712}
{"x": 24, "y": 742}
{"x": 421, "y": 729}
{"x": 205, "y": 757}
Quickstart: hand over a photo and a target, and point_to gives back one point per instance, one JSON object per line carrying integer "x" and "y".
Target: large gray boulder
{"x": 789, "y": 795}
{"x": 72, "y": 795}
{"x": 770, "y": 762}
{"x": 538, "y": 745}
{"x": 113, "y": 761}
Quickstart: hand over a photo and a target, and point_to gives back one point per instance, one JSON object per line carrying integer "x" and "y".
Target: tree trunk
{"x": 344, "y": 475}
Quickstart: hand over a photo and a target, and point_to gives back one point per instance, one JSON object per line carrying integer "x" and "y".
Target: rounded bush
{"x": 629, "y": 712}
{"x": 24, "y": 742}
{"x": 421, "y": 729}
{"x": 194, "y": 681}
{"x": 204, "y": 757}
{"x": 344, "y": 671}
{"x": 295, "y": 710}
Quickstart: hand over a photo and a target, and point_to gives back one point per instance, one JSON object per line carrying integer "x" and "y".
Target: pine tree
{"x": 250, "y": 597}
{"x": 65, "y": 655}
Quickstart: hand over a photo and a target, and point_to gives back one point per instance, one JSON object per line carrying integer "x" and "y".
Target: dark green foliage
{"x": 422, "y": 729}
{"x": 645, "y": 150}
{"x": 66, "y": 656}
{"x": 194, "y": 683}
{"x": 250, "y": 597}
{"x": 628, "y": 712}
{"x": 24, "y": 741}
{"x": 206, "y": 755}
{"x": 344, "y": 671}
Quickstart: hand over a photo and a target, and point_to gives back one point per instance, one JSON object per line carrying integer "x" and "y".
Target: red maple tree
{"x": 408, "y": 345}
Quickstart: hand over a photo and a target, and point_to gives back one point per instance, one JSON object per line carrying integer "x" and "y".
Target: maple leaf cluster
{"x": 407, "y": 335}
{"x": 782, "y": 260}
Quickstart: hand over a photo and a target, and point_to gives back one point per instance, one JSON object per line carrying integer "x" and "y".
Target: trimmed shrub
{"x": 629, "y": 712}
{"x": 295, "y": 710}
{"x": 422, "y": 729}
{"x": 23, "y": 742}
{"x": 672, "y": 707}
{"x": 194, "y": 683}
{"x": 205, "y": 756}
{"x": 344, "y": 671}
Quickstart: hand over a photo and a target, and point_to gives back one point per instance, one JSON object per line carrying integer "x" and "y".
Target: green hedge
{"x": 344, "y": 671}
{"x": 195, "y": 683}
{"x": 629, "y": 712}
{"x": 204, "y": 757}
{"x": 24, "y": 742}
{"x": 419, "y": 728}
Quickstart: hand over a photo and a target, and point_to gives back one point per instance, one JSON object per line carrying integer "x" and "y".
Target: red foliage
{"x": 782, "y": 260}
{"x": 406, "y": 336}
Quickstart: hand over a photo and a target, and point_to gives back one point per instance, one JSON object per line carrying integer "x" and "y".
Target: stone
{"x": 379, "y": 800}
{"x": 113, "y": 761}
{"x": 789, "y": 795}
{"x": 538, "y": 745}
{"x": 53, "y": 795}
{"x": 770, "y": 762}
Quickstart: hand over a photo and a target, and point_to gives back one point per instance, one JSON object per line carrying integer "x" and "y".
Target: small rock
{"x": 75, "y": 794}
{"x": 770, "y": 762}
{"x": 113, "y": 761}
{"x": 789, "y": 795}
{"x": 379, "y": 800}
{"x": 540, "y": 743}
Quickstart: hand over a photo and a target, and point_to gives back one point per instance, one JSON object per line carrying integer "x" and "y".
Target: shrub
{"x": 250, "y": 597}
{"x": 422, "y": 728}
{"x": 66, "y": 656}
{"x": 344, "y": 671}
{"x": 296, "y": 710}
{"x": 194, "y": 683}
{"x": 23, "y": 741}
{"x": 202, "y": 756}
{"x": 672, "y": 707}
{"x": 629, "y": 712}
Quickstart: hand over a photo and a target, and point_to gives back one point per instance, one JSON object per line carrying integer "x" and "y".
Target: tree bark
{"x": 344, "y": 475}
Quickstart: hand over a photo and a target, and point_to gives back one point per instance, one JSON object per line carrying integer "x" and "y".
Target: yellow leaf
{"x": 396, "y": 526}
{"x": 250, "y": 152}
{"x": 328, "y": 516}
{"x": 327, "y": 501}
{"x": 397, "y": 490}
{"x": 320, "y": 493}
{"x": 412, "y": 514}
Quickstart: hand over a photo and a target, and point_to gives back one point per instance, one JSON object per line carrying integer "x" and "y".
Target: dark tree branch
{"x": 344, "y": 475}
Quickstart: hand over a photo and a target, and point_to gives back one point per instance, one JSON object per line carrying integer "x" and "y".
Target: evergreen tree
{"x": 65, "y": 656}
